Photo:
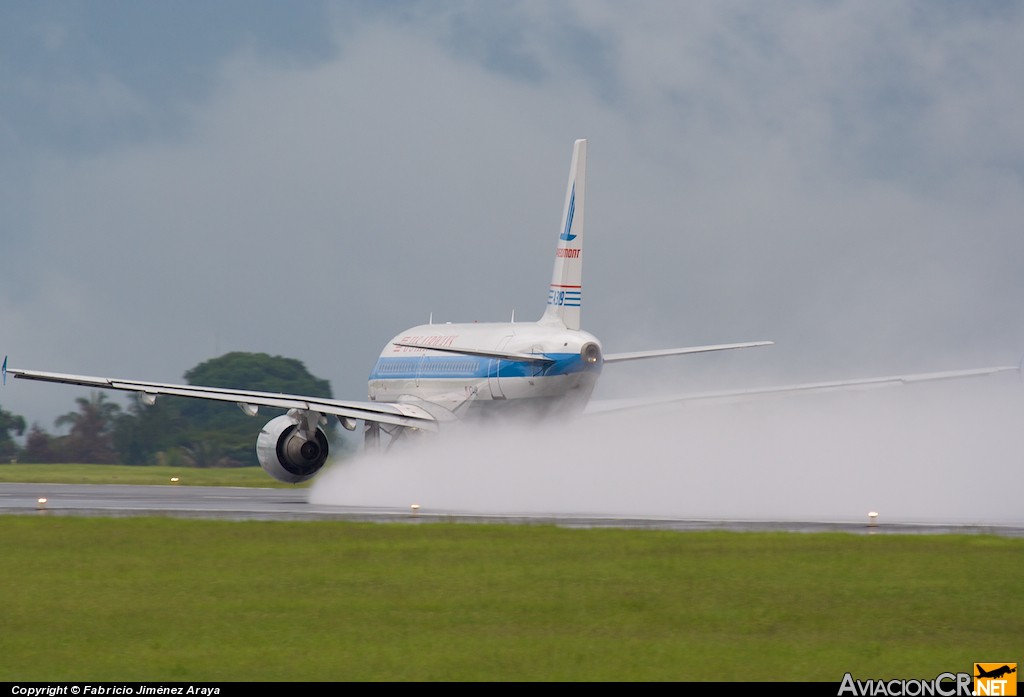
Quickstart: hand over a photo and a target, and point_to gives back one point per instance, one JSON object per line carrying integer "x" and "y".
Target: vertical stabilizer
{"x": 566, "y": 291}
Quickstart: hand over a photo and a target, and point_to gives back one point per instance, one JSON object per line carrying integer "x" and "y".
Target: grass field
{"x": 154, "y": 599}
{"x": 123, "y": 474}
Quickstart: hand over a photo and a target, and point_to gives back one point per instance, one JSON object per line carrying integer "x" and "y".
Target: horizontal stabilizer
{"x": 637, "y": 355}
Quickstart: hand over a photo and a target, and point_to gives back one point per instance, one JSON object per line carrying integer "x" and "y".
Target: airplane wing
{"x": 504, "y": 355}
{"x": 608, "y": 358}
{"x": 608, "y": 406}
{"x": 398, "y": 414}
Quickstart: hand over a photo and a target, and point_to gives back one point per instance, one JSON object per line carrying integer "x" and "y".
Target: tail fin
{"x": 566, "y": 291}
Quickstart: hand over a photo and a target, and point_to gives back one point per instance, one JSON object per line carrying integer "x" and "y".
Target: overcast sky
{"x": 306, "y": 179}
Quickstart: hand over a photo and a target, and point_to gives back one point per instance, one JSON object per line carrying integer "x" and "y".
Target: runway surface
{"x": 243, "y": 503}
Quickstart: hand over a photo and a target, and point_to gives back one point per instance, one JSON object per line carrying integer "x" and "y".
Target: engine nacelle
{"x": 288, "y": 452}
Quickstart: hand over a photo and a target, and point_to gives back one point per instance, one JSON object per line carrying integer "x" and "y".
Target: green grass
{"x": 163, "y": 599}
{"x": 186, "y": 600}
{"x": 124, "y": 474}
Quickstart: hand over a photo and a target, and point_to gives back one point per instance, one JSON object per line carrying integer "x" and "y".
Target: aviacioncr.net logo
{"x": 944, "y": 685}
{"x": 995, "y": 679}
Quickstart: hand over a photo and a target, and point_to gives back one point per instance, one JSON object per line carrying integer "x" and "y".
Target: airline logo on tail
{"x": 568, "y": 217}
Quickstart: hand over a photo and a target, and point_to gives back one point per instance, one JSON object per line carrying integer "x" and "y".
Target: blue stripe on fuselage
{"x": 469, "y": 367}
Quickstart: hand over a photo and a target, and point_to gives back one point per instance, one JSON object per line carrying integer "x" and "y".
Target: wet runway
{"x": 244, "y": 503}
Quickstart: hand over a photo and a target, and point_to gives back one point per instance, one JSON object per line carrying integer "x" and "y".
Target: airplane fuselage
{"x": 478, "y": 369}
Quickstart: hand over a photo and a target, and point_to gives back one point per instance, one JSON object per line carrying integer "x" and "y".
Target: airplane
{"x": 430, "y": 377}
{"x": 995, "y": 672}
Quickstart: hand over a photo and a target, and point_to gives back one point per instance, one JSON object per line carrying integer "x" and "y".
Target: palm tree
{"x": 91, "y": 436}
{"x": 9, "y": 422}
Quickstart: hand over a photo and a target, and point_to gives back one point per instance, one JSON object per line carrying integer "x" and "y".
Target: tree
{"x": 91, "y": 436}
{"x": 39, "y": 446}
{"x": 223, "y": 428}
{"x": 143, "y": 432}
{"x": 202, "y": 433}
{"x": 205, "y": 453}
{"x": 9, "y": 422}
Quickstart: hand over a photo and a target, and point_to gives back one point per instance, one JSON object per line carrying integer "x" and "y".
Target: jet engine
{"x": 292, "y": 448}
{"x": 590, "y": 353}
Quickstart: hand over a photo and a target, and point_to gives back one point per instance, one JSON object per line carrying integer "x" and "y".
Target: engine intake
{"x": 290, "y": 452}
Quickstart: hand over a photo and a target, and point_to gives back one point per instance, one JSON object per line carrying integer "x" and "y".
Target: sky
{"x": 181, "y": 180}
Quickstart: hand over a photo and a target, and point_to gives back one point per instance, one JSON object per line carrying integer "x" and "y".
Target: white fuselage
{"x": 484, "y": 368}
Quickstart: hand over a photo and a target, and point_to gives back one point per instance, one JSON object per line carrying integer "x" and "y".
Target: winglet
{"x": 4, "y": 371}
